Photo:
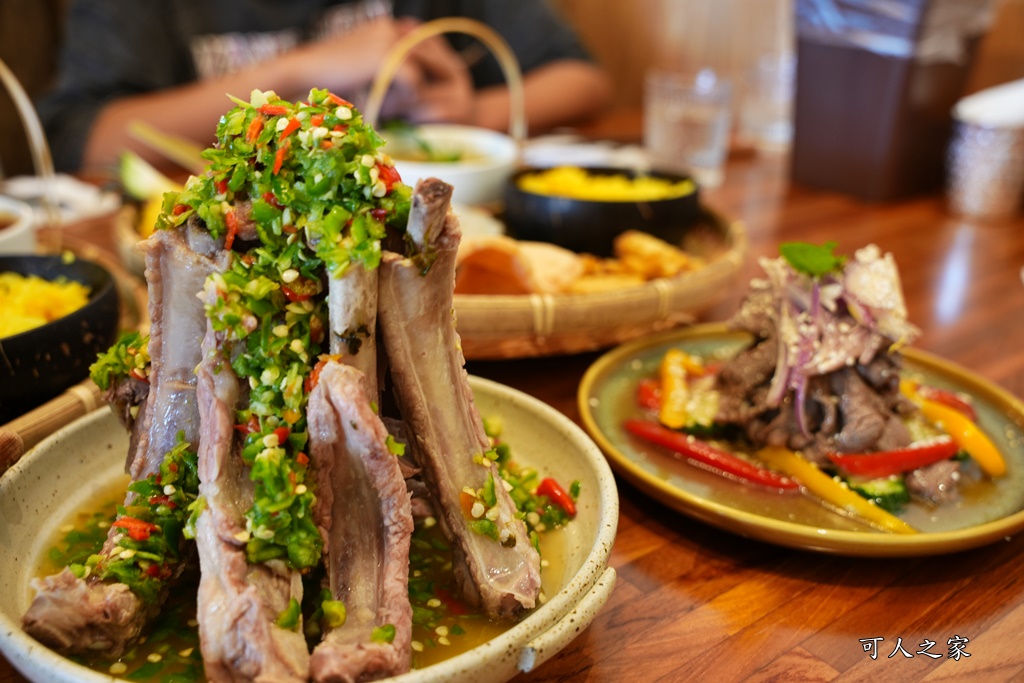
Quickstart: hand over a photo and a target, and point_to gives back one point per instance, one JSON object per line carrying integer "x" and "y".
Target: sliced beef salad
{"x": 818, "y": 399}
{"x": 279, "y": 443}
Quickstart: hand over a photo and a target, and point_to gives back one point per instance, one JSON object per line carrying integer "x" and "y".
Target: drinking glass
{"x": 687, "y": 119}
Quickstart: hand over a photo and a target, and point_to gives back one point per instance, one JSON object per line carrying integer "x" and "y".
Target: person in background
{"x": 172, "y": 63}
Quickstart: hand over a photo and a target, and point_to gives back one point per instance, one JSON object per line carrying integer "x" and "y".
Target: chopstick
{"x": 183, "y": 152}
{"x": 22, "y": 433}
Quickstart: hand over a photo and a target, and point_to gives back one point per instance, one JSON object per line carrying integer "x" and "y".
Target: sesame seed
{"x": 379, "y": 190}
{"x": 242, "y": 537}
{"x": 343, "y": 113}
{"x": 289, "y": 276}
{"x": 281, "y": 124}
{"x": 280, "y": 331}
{"x": 374, "y": 174}
{"x": 368, "y": 161}
{"x": 118, "y": 668}
{"x": 187, "y": 652}
{"x": 127, "y": 554}
{"x": 433, "y": 602}
{"x": 271, "y": 441}
{"x": 296, "y": 346}
{"x": 154, "y": 657}
{"x": 429, "y": 522}
{"x": 478, "y": 510}
{"x": 441, "y": 630}
{"x": 417, "y": 645}
{"x": 443, "y": 641}
{"x": 169, "y": 490}
{"x": 300, "y": 489}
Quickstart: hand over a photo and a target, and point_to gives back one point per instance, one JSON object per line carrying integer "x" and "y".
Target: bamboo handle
{"x": 22, "y": 433}
{"x": 488, "y": 36}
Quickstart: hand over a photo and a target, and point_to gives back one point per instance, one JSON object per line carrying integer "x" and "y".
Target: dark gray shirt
{"x": 117, "y": 48}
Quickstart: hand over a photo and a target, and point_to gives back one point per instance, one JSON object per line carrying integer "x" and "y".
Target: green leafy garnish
{"x": 129, "y": 355}
{"x": 812, "y": 259}
{"x": 383, "y": 634}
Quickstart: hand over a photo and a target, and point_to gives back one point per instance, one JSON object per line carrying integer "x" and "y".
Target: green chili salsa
{"x": 443, "y": 626}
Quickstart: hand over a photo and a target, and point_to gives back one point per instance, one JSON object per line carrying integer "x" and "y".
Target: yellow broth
{"x": 169, "y": 652}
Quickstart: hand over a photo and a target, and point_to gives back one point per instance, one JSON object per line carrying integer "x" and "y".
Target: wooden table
{"x": 693, "y": 602}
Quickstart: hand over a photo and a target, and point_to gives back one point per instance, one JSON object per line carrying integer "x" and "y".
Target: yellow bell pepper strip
{"x": 832, "y": 491}
{"x": 965, "y": 433}
{"x": 718, "y": 460}
{"x": 674, "y": 392}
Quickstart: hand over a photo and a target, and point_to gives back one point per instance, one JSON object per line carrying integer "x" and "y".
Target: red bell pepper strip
{"x": 138, "y": 529}
{"x": 948, "y": 398}
{"x": 887, "y": 463}
{"x": 557, "y": 495}
{"x": 706, "y": 454}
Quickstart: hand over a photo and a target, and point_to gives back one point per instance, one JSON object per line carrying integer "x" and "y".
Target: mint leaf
{"x": 813, "y": 259}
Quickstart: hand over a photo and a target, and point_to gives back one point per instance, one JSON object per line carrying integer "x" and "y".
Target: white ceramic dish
{"x": 479, "y": 178}
{"x": 19, "y": 237}
{"x": 62, "y": 472}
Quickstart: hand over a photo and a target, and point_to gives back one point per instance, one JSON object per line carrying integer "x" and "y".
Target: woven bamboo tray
{"x": 510, "y": 326}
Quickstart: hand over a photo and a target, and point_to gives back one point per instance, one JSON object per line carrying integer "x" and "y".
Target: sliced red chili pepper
{"x": 316, "y": 119}
{"x": 162, "y": 500}
{"x": 231, "y": 220}
{"x": 282, "y": 434}
{"x": 341, "y": 128}
{"x": 302, "y": 459}
{"x": 300, "y": 289}
{"x": 293, "y": 125}
{"x": 255, "y": 128}
{"x": 887, "y": 463}
{"x": 273, "y": 109}
{"x": 222, "y": 186}
{"x": 339, "y": 101}
{"x": 180, "y": 209}
{"x": 314, "y": 375}
{"x": 455, "y": 606}
{"x": 279, "y": 156}
{"x": 948, "y": 398}
{"x": 705, "y": 454}
{"x": 138, "y": 375}
{"x": 269, "y": 198}
{"x": 253, "y": 425}
{"x": 648, "y": 393}
{"x": 138, "y": 529}
{"x": 326, "y": 144}
{"x": 557, "y": 495}
{"x": 379, "y": 214}
{"x": 388, "y": 175}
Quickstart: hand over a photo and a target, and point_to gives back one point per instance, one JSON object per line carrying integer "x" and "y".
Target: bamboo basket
{"x": 510, "y": 326}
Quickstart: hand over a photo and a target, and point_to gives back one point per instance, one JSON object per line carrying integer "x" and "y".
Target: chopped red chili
{"x": 138, "y": 529}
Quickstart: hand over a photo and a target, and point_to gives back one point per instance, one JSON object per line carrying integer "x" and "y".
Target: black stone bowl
{"x": 589, "y": 226}
{"x": 40, "y": 363}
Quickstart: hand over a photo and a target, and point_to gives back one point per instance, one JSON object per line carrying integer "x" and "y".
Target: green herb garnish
{"x": 128, "y": 356}
{"x": 812, "y": 259}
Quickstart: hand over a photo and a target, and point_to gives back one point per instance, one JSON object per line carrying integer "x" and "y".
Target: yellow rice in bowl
{"x": 574, "y": 182}
{"x": 30, "y": 301}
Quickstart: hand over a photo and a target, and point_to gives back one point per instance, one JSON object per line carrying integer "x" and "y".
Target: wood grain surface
{"x": 696, "y": 603}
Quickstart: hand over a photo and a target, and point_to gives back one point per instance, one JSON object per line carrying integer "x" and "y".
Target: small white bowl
{"x": 477, "y": 179}
{"x": 17, "y": 229}
{"x": 66, "y": 470}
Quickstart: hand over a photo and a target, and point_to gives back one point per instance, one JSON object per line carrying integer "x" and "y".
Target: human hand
{"x": 445, "y": 91}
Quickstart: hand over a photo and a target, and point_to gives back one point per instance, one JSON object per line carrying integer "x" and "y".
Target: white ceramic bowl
{"x": 19, "y": 236}
{"x": 61, "y": 473}
{"x": 479, "y": 178}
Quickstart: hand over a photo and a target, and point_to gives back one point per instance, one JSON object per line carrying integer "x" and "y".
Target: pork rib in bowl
{"x": 298, "y": 416}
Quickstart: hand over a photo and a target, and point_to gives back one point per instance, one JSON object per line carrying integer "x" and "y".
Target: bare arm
{"x": 558, "y": 93}
{"x": 341, "y": 64}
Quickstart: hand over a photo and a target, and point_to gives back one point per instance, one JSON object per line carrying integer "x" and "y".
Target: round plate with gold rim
{"x": 987, "y": 510}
